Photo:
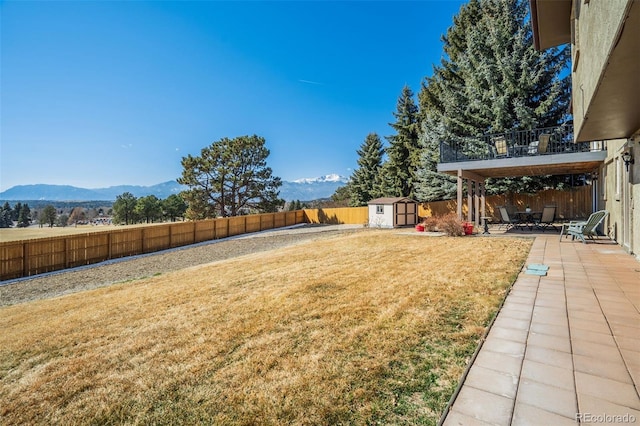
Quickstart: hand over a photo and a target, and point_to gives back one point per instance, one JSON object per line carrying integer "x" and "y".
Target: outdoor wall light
{"x": 628, "y": 159}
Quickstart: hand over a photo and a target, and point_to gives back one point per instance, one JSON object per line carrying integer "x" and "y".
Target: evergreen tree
{"x": 342, "y": 196}
{"x": 365, "y": 182}
{"x": 24, "y": 216}
{"x": 16, "y": 211}
{"x": 48, "y": 216}
{"x": 431, "y": 185}
{"x": 403, "y": 150}
{"x": 148, "y": 208}
{"x": 5, "y": 216}
{"x": 230, "y": 176}
{"x": 490, "y": 80}
{"x": 124, "y": 208}
{"x": 174, "y": 206}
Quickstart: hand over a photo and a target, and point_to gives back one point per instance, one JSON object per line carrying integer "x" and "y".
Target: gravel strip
{"x": 106, "y": 273}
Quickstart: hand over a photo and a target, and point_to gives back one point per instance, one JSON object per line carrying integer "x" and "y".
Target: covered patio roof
{"x": 558, "y": 164}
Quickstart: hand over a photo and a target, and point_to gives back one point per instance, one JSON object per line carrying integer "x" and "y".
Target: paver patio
{"x": 565, "y": 347}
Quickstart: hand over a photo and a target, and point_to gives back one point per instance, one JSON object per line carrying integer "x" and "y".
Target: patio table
{"x": 528, "y": 218}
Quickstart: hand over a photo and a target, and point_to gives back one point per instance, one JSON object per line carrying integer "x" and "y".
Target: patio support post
{"x": 476, "y": 197}
{"x": 459, "y": 209}
{"x": 483, "y": 199}
{"x": 470, "y": 197}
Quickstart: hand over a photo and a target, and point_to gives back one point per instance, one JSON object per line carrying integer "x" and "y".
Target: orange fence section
{"x": 340, "y": 215}
{"x": 30, "y": 257}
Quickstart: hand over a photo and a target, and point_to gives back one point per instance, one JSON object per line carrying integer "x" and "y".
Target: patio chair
{"x": 584, "y": 229}
{"x": 500, "y": 144}
{"x": 506, "y": 220}
{"x": 547, "y": 218}
{"x": 543, "y": 144}
{"x": 540, "y": 146}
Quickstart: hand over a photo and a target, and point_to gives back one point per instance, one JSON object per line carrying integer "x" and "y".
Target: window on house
{"x": 379, "y": 209}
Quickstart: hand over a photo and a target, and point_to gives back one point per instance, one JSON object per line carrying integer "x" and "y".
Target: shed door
{"x": 405, "y": 214}
{"x": 401, "y": 214}
{"x": 412, "y": 213}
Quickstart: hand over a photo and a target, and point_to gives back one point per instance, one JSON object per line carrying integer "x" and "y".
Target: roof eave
{"x": 550, "y": 22}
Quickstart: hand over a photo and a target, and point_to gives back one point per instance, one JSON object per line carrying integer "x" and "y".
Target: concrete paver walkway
{"x": 565, "y": 348}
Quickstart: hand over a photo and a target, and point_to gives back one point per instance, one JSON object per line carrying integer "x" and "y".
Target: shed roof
{"x": 391, "y": 200}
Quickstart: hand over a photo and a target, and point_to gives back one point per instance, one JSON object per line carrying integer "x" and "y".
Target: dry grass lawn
{"x": 374, "y": 327}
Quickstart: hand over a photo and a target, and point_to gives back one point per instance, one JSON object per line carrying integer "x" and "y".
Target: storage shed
{"x": 392, "y": 212}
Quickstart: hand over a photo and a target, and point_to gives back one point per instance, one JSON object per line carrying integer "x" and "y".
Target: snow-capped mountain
{"x": 308, "y": 189}
{"x": 326, "y": 178}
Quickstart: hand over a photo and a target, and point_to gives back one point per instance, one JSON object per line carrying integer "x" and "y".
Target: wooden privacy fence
{"x": 340, "y": 215}
{"x": 30, "y": 257}
{"x": 572, "y": 204}
{"x": 576, "y": 203}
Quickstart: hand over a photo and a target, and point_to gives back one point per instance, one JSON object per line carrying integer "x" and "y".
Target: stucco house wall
{"x": 595, "y": 33}
{"x": 617, "y": 187}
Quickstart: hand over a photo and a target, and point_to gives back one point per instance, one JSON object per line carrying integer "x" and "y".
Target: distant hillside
{"x": 72, "y": 193}
{"x": 302, "y": 189}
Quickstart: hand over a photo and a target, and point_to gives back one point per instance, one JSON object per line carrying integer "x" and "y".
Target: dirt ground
{"x": 114, "y": 271}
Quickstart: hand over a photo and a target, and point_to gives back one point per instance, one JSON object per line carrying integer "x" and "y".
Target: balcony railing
{"x": 516, "y": 143}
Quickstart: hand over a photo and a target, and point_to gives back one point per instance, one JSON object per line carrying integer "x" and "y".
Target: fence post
{"x": 25, "y": 259}
{"x": 66, "y": 252}
{"x": 109, "y": 244}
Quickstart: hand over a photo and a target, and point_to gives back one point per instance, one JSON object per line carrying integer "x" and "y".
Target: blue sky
{"x": 104, "y": 93}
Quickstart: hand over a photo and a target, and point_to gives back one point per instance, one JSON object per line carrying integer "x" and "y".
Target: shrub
{"x": 430, "y": 223}
{"x": 451, "y": 225}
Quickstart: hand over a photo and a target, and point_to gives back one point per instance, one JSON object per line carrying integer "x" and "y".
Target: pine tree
{"x": 342, "y": 196}
{"x": 365, "y": 181}
{"x": 230, "y": 177}
{"x": 49, "y": 216}
{"x": 173, "y": 207}
{"x": 24, "y": 216}
{"x": 491, "y": 79}
{"x": 403, "y": 151}
{"x": 16, "y": 211}
{"x": 431, "y": 185}
{"x": 124, "y": 208}
{"x": 148, "y": 208}
{"x": 5, "y": 216}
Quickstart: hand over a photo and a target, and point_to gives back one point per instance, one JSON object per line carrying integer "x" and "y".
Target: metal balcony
{"x": 549, "y": 150}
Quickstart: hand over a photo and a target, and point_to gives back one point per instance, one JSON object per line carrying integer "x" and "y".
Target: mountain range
{"x": 306, "y": 189}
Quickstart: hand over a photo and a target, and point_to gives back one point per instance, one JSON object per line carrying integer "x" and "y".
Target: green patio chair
{"x": 584, "y": 229}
